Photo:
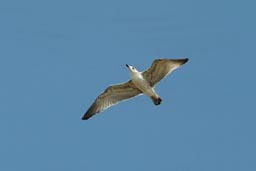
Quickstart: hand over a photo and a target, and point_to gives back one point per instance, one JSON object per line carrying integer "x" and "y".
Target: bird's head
{"x": 131, "y": 69}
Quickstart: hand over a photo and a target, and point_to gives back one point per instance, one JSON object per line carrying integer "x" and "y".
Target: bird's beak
{"x": 127, "y": 66}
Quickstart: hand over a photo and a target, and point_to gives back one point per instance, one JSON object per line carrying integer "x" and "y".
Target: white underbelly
{"x": 144, "y": 86}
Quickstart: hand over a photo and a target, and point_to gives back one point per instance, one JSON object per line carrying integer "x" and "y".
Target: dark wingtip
{"x": 185, "y": 60}
{"x": 86, "y": 117}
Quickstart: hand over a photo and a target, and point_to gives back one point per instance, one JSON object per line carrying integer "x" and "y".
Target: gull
{"x": 140, "y": 83}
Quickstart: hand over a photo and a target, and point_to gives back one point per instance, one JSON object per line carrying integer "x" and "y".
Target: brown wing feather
{"x": 161, "y": 68}
{"x": 112, "y": 95}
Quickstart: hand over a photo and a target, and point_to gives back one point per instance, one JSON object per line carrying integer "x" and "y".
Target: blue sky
{"x": 57, "y": 56}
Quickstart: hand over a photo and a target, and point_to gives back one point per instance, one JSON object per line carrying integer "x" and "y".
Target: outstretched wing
{"x": 112, "y": 95}
{"x": 161, "y": 68}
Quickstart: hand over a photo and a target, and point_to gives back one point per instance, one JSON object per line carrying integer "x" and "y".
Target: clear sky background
{"x": 57, "y": 56}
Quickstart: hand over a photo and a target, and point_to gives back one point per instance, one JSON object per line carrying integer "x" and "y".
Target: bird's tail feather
{"x": 156, "y": 100}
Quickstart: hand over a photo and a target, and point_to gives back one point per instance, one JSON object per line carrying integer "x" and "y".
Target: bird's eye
{"x": 132, "y": 67}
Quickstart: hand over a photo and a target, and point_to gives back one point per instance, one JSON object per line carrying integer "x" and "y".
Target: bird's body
{"x": 143, "y": 85}
{"x": 140, "y": 83}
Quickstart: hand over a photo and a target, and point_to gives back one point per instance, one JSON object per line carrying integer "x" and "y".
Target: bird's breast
{"x": 143, "y": 85}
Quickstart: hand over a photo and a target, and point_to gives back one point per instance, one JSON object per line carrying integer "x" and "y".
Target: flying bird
{"x": 140, "y": 83}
